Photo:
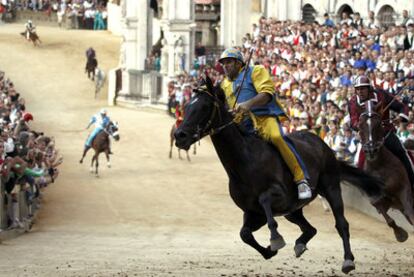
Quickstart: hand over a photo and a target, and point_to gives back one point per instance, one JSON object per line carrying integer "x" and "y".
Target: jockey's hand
{"x": 243, "y": 108}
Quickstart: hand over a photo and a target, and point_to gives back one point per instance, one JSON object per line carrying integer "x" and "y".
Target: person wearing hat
{"x": 101, "y": 120}
{"x": 30, "y": 28}
{"x": 258, "y": 97}
{"x": 365, "y": 92}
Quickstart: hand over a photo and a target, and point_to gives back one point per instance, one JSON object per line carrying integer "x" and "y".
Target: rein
{"x": 216, "y": 112}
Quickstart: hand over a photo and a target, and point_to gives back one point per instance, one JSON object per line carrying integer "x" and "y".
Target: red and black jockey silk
{"x": 378, "y": 96}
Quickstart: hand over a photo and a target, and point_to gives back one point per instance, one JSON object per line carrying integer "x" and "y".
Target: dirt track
{"x": 148, "y": 215}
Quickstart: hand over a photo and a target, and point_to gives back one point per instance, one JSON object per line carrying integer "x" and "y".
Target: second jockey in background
{"x": 365, "y": 92}
{"x": 101, "y": 120}
{"x": 30, "y": 28}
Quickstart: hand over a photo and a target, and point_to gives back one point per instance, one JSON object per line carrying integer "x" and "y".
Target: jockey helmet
{"x": 29, "y": 22}
{"x": 362, "y": 81}
{"x": 103, "y": 112}
{"x": 231, "y": 53}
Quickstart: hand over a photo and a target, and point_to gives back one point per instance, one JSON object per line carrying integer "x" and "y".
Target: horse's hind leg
{"x": 308, "y": 231}
{"x": 92, "y": 161}
{"x": 253, "y": 222}
{"x": 276, "y": 240}
{"x": 84, "y": 153}
{"x": 188, "y": 156}
{"x": 331, "y": 188}
{"x": 96, "y": 164}
{"x": 195, "y": 149}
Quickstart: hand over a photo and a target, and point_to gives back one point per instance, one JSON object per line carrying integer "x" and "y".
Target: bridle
{"x": 202, "y": 132}
{"x": 108, "y": 130}
{"x": 371, "y": 146}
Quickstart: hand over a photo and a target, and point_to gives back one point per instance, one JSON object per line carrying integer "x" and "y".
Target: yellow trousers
{"x": 269, "y": 129}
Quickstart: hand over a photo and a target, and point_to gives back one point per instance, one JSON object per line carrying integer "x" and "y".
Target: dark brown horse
{"x": 381, "y": 162}
{"x": 260, "y": 182}
{"x": 172, "y": 139}
{"x": 33, "y": 37}
{"x": 101, "y": 143}
{"x": 91, "y": 65}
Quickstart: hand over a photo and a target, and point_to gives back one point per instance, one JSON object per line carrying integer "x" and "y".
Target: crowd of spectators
{"x": 77, "y": 14}
{"x": 28, "y": 158}
{"x": 313, "y": 66}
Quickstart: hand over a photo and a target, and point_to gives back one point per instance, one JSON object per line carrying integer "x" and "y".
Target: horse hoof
{"x": 348, "y": 266}
{"x": 268, "y": 253}
{"x": 299, "y": 249}
{"x": 91, "y": 170}
{"x": 277, "y": 244}
{"x": 109, "y": 166}
{"x": 400, "y": 234}
{"x": 80, "y": 161}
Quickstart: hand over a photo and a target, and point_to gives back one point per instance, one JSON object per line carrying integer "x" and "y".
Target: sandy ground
{"x": 149, "y": 215}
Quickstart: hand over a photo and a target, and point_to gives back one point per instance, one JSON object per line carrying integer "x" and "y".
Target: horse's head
{"x": 204, "y": 115}
{"x": 371, "y": 130}
{"x": 112, "y": 130}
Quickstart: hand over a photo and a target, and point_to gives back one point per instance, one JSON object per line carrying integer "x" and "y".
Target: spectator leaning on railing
{"x": 28, "y": 159}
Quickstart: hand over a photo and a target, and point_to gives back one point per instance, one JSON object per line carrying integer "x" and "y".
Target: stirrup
{"x": 304, "y": 190}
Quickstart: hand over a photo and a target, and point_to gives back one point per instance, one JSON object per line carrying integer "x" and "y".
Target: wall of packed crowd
{"x": 28, "y": 161}
{"x": 73, "y": 14}
{"x": 313, "y": 67}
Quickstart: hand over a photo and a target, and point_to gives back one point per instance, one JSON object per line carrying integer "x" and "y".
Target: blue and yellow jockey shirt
{"x": 257, "y": 81}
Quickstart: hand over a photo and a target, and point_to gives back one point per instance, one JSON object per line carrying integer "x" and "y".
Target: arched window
{"x": 344, "y": 9}
{"x": 308, "y": 13}
{"x": 386, "y": 16}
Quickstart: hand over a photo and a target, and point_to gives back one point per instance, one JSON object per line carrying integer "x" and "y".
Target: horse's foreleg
{"x": 332, "y": 189}
{"x": 188, "y": 156}
{"x": 195, "y": 149}
{"x": 276, "y": 240}
{"x": 179, "y": 154}
{"x": 251, "y": 223}
{"x": 108, "y": 162}
{"x": 308, "y": 231}
{"x": 382, "y": 206}
{"x": 407, "y": 204}
{"x": 171, "y": 146}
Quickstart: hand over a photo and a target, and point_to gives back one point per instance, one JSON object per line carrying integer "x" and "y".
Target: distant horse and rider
{"x": 260, "y": 182}
{"x": 30, "y": 33}
{"x": 91, "y": 63}
{"x": 99, "y": 139}
{"x": 383, "y": 154}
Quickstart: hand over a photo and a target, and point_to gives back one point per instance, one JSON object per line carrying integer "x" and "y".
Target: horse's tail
{"x": 370, "y": 185}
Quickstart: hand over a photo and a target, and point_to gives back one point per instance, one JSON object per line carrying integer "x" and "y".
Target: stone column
{"x": 134, "y": 50}
{"x": 178, "y": 45}
{"x": 235, "y": 21}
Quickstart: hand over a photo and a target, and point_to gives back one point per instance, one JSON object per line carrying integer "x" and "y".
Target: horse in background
{"x": 381, "y": 162}
{"x": 260, "y": 182}
{"x": 33, "y": 37}
{"x": 99, "y": 80}
{"x": 172, "y": 140}
{"x": 91, "y": 63}
{"x": 101, "y": 143}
